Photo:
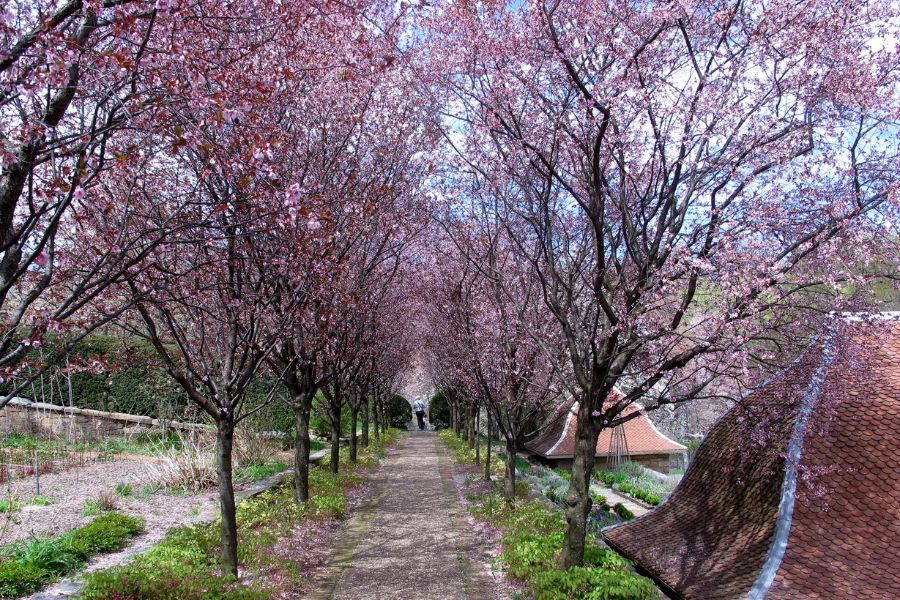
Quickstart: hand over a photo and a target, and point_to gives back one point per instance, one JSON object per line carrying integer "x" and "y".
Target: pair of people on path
{"x": 419, "y": 408}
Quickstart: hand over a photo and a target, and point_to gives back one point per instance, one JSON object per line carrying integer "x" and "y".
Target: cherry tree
{"x": 81, "y": 82}
{"x": 686, "y": 181}
{"x": 491, "y": 308}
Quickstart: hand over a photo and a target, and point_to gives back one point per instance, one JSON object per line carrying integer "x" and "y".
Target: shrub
{"x": 439, "y": 410}
{"x": 630, "y": 469}
{"x": 599, "y": 519}
{"x": 18, "y": 579}
{"x": 623, "y": 512}
{"x": 653, "y": 500}
{"x": 251, "y": 447}
{"x": 190, "y": 464}
{"x": 605, "y": 477}
{"x": 400, "y": 411}
{"x": 54, "y": 556}
{"x": 105, "y": 534}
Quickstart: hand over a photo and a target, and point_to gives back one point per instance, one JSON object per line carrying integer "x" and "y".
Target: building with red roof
{"x": 795, "y": 492}
{"x": 646, "y": 445}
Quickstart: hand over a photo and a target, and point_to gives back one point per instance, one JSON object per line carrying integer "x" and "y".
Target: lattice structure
{"x": 618, "y": 448}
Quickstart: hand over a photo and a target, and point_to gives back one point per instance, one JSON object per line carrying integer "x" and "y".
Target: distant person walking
{"x": 419, "y": 407}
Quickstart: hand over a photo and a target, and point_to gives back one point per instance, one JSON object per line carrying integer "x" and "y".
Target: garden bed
{"x": 71, "y": 493}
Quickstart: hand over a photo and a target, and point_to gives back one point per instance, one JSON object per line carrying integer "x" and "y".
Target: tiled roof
{"x": 558, "y": 440}
{"x": 721, "y": 535}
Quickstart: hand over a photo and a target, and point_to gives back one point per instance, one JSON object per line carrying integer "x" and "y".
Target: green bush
{"x": 320, "y": 426}
{"x": 401, "y": 412}
{"x": 54, "y": 556}
{"x": 623, "y": 512}
{"x": 605, "y": 477}
{"x": 630, "y": 469}
{"x": 18, "y": 579}
{"x": 653, "y": 500}
{"x": 105, "y": 534}
{"x": 439, "y": 411}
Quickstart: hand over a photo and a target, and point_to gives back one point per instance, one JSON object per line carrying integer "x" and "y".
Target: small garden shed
{"x": 646, "y": 445}
{"x": 795, "y": 492}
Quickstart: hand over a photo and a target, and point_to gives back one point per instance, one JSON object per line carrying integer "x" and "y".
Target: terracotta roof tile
{"x": 558, "y": 440}
{"x": 712, "y": 537}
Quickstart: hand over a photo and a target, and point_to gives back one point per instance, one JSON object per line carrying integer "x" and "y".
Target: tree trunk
{"x": 487, "y": 456}
{"x": 453, "y": 418}
{"x": 302, "y": 408}
{"x": 375, "y": 413}
{"x": 354, "y": 414}
{"x": 387, "y": 412}
{"x": 478, "y": 438}
{"x": 224, "y": 444}
{"x": 365, "y": 423}
{"x": 578, "y": 504}
{"x": 335, "y": 437}
{"x": 470, "y": 425}
{"x": 509, "y": 474}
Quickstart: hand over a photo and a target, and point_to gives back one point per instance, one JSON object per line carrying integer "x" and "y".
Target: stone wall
{"x": 50, "y": 419}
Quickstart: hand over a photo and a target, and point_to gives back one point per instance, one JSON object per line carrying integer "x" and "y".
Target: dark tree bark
{"x": 365, "y": 422}
{"x": 335, "y": 412}
{"x": 478, "y": 438}
{"x": 487, "y": 456}
{"x": 354, "y": 415}
{"x": 376, "y": 411}
{"x": 224, "y": 446}
{"x": 578, "y": 500}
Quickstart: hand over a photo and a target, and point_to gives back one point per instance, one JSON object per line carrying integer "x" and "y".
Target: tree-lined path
{"x": 408, "y": 543}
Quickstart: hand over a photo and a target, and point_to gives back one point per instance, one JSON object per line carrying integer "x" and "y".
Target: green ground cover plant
{"x": 630, "y": 479}
{"x": 185, "y": 566}
{"x": 28, "y": 565}
{"x": 531, "y": 535}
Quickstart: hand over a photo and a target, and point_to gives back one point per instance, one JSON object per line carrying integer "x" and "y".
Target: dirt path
{"x": 408, "y": 543}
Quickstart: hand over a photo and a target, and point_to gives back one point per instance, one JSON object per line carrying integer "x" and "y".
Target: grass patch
{"x": 185, "y": 566}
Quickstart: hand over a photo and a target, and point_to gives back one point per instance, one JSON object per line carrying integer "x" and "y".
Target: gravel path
{"x": 408, "y": 544}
